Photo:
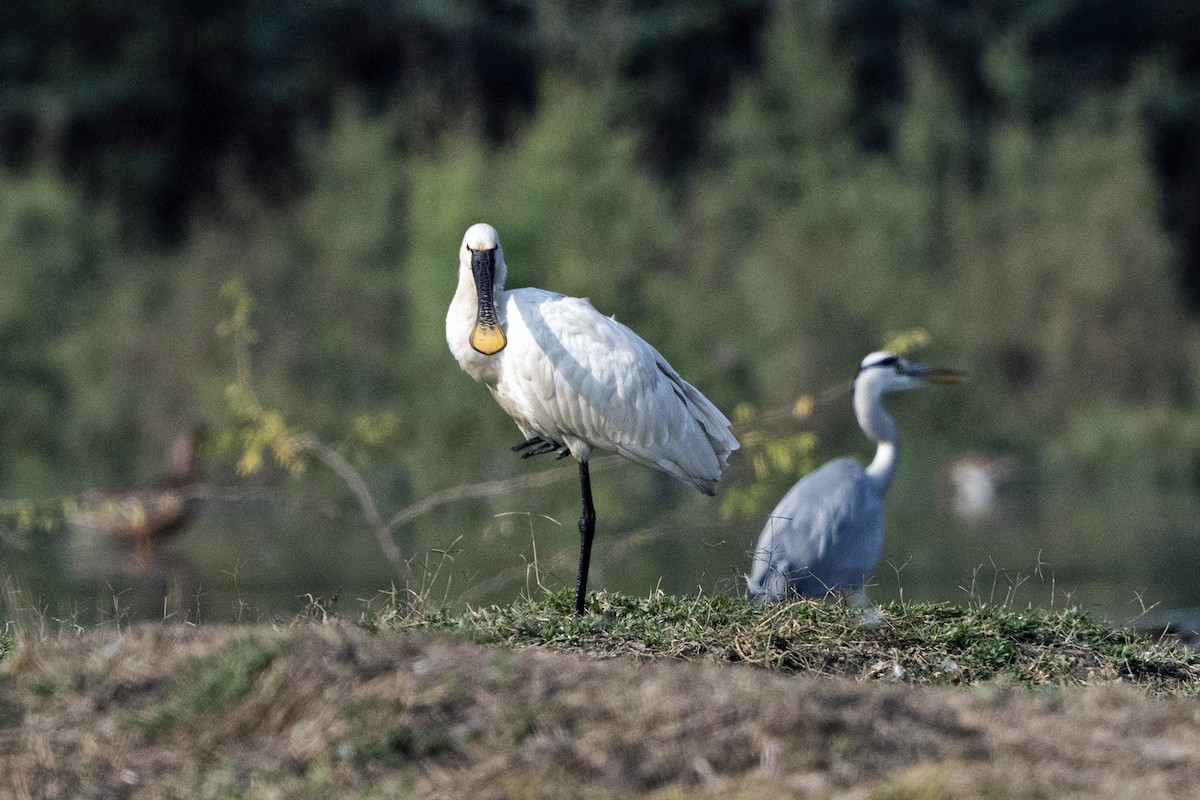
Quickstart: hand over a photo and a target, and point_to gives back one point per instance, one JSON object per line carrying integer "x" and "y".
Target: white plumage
{"x": 826, "y": 534}
{"x": 573, "y": 379}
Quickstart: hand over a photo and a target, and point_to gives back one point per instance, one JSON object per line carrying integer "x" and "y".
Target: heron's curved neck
{"x": 878, "y": 424}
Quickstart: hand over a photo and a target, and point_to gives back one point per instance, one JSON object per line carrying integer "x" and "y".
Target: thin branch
{"x": 384, "y": 532}
{"x": 495, "y": 488}
{"x": 366, "y": 500}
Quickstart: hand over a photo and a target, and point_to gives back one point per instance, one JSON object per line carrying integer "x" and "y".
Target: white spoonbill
{"x": 573, "y": 379}
{"x": 826, "y": 533}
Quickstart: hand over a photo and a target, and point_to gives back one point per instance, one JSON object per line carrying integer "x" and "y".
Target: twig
{"x": 476, "y": 491}
{"x": 384, "y": 532}
{"x": 366, "y": 500}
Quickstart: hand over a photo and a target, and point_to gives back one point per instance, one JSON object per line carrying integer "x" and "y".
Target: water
{"x": 1132, "y": 560}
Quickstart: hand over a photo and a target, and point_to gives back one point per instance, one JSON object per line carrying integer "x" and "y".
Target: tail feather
{"x": 715, "y": 424}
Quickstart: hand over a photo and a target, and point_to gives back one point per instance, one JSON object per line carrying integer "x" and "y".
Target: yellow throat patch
{"x": 488, "y": 339}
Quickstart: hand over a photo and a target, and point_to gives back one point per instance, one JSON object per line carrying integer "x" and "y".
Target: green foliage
{"x": 575, "y": 174}
{"x": 53, "y": 248}
{"x": 260, "y": 429}
{"x": 1024, "y": 239}
{"x": 790, "y": 223}
{"x": 904, "y": 343}
{"x": 32, "y": 515}
{"x": 775, "y": 459}
{"x": 827, "y": 246}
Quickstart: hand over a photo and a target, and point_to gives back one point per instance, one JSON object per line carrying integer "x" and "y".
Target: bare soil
{"x": 315, "y": 711}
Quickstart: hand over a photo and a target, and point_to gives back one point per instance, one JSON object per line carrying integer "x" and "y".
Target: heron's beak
{"x": 938, "y": 375}
{"x": 487, "y": 336}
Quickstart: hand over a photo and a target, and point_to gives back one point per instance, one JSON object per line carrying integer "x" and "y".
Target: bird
{"x": 148, "y": 514}
{"x": 825, "y": 535}
{"x": 574, "y": 381}
{"x": 975, "y": 482}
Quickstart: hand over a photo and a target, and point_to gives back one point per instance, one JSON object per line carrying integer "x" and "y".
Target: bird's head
{"x": 184, "y": 453}
{"x": 482, "y": 257}
{"x": 884, "y": 372}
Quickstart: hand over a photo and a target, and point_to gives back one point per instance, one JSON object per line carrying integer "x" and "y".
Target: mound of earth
{"x": 317, "y": 711}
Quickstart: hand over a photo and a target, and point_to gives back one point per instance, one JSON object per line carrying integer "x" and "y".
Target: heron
{"x": 825, "y": 535}
{"x": 574, "y": 381}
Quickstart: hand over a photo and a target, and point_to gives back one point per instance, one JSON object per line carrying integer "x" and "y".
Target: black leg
{"x": 587, "y": 529}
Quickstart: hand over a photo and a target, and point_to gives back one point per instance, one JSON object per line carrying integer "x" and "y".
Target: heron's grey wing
{"x": 823, "y": 535}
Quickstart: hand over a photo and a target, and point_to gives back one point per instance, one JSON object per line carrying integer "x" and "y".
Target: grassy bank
{"x": 660, "y": 697}
{"x": 924, "y": 643}
{"x": 916, "y": 643}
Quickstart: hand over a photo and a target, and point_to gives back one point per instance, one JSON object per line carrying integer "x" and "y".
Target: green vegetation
{"x": 764, "y": 190}
{"x": 1021, "y": 225}
{"x": 921, "y": 643}
{"x": 213, "y": 684}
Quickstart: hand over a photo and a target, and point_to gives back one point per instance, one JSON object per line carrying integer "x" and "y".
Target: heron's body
{"x": 575, "y": 380}
{"x": 826, "y": 534}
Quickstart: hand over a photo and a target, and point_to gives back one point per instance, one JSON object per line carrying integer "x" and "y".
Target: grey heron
{"x": 826, "y": 534}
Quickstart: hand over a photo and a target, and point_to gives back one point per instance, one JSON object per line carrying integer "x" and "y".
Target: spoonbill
{"x": 573, "y": 379}
{"x": 826, "y": 533}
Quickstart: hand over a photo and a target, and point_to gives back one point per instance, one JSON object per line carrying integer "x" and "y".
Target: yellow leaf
{"x": 250, "y": 462}
{"x": 804, "y": 407}
{"x": 904, "y": 342}
{"x": 760, "y": 466}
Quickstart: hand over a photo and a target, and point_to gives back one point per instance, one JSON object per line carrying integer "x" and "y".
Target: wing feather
{"x": 587, "y": 380}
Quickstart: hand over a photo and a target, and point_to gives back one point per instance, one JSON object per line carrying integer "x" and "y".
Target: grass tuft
{"x": 214, "y": 683}
{"x": 935, "y": 643}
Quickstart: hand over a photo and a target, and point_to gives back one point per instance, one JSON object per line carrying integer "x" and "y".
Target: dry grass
{"x": 644, "y": 702}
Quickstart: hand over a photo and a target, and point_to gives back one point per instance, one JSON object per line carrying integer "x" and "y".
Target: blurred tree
{"x": 53, "y": 251}
{"x": 150, "y": 105}
{"x": 1065, "y": 291}
{"x": 1041, "y": 60}
{"x": 763, "y": 224}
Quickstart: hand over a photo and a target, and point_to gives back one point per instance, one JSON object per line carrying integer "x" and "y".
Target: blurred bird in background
{"x": 147, "y": 515}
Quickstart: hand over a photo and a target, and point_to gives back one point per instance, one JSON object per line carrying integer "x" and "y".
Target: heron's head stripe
{"x": 886, "y": 361}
